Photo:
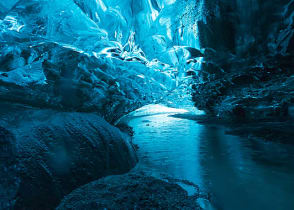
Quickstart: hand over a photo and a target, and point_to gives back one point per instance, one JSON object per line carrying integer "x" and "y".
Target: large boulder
{"x": 130, "y": 191}
{"x": 46, "y": 154}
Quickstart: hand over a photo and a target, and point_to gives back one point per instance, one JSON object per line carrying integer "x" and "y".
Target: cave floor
{"x": 239, "y": 173}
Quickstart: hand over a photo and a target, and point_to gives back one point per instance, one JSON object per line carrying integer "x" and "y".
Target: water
{"x": 240, "y": 173}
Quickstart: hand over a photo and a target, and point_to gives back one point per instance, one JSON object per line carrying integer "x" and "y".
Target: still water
{"x": 239, "y": 173}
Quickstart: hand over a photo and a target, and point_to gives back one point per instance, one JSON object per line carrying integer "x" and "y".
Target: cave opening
{"x": 146, "y": 104}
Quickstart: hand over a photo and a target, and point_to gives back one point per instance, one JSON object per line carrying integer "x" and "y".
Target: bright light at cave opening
{"x": 151, "y": 109}
{"x": 159, "y": 110}
{"x": 156, "y": 109}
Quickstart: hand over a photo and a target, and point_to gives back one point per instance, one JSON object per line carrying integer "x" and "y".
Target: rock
{"x": 46, "y": 154}
{"x": 248, "y": 63}
{"x": 9, "y": 181}
{"x": 130, "y": 191}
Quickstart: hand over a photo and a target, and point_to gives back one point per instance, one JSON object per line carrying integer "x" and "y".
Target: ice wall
{"x": 94, "y": 55}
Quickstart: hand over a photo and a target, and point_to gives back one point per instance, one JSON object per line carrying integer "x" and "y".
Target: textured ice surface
{"x": 6, "y": 6}
{"x": 95, "y": 55}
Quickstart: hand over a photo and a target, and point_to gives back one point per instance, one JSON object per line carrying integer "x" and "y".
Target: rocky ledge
{"x": 46, "y": 154}
{"x": 130, "y": 191}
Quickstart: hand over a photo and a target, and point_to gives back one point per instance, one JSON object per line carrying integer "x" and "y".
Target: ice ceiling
{"x": 107, "y": 56}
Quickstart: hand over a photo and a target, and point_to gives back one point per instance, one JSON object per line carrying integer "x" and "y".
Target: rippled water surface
{"x": 240, "y": 173}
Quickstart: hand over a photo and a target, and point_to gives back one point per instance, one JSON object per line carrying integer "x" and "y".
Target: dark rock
{"x": 46, "y": 154}
{"x": 130, "y": 191}
{"x": 248, "y": 60}
{"x": 9, "y": 181}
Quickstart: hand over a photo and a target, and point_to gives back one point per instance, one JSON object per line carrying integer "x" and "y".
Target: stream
{"x": 238, "y": 172}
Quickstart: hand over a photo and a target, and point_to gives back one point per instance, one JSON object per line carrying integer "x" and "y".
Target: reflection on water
{"x": 241, "y": 174}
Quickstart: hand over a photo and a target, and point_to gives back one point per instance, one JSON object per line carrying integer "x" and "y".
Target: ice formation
{"x": 95, "y": 55}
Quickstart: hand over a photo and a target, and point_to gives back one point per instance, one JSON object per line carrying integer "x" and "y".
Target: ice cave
{"x": 146, "y": 104}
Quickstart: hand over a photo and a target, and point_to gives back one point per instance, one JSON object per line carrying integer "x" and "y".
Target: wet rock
{"x": 9, "y": 181}
{"x": 130, "y": 191}
{"x": 248, "y": 62}
{"x": 46, "y": 154}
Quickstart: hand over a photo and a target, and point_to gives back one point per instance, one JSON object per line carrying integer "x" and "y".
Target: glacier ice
{"x": 6, "y": 6}
{"x": 95, "y": 55}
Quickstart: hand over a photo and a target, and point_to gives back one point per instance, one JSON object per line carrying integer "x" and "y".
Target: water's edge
{"x": 240, "y": 173}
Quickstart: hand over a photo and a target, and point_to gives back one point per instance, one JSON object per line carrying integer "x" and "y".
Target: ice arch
{"x": 105, "y": 56}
